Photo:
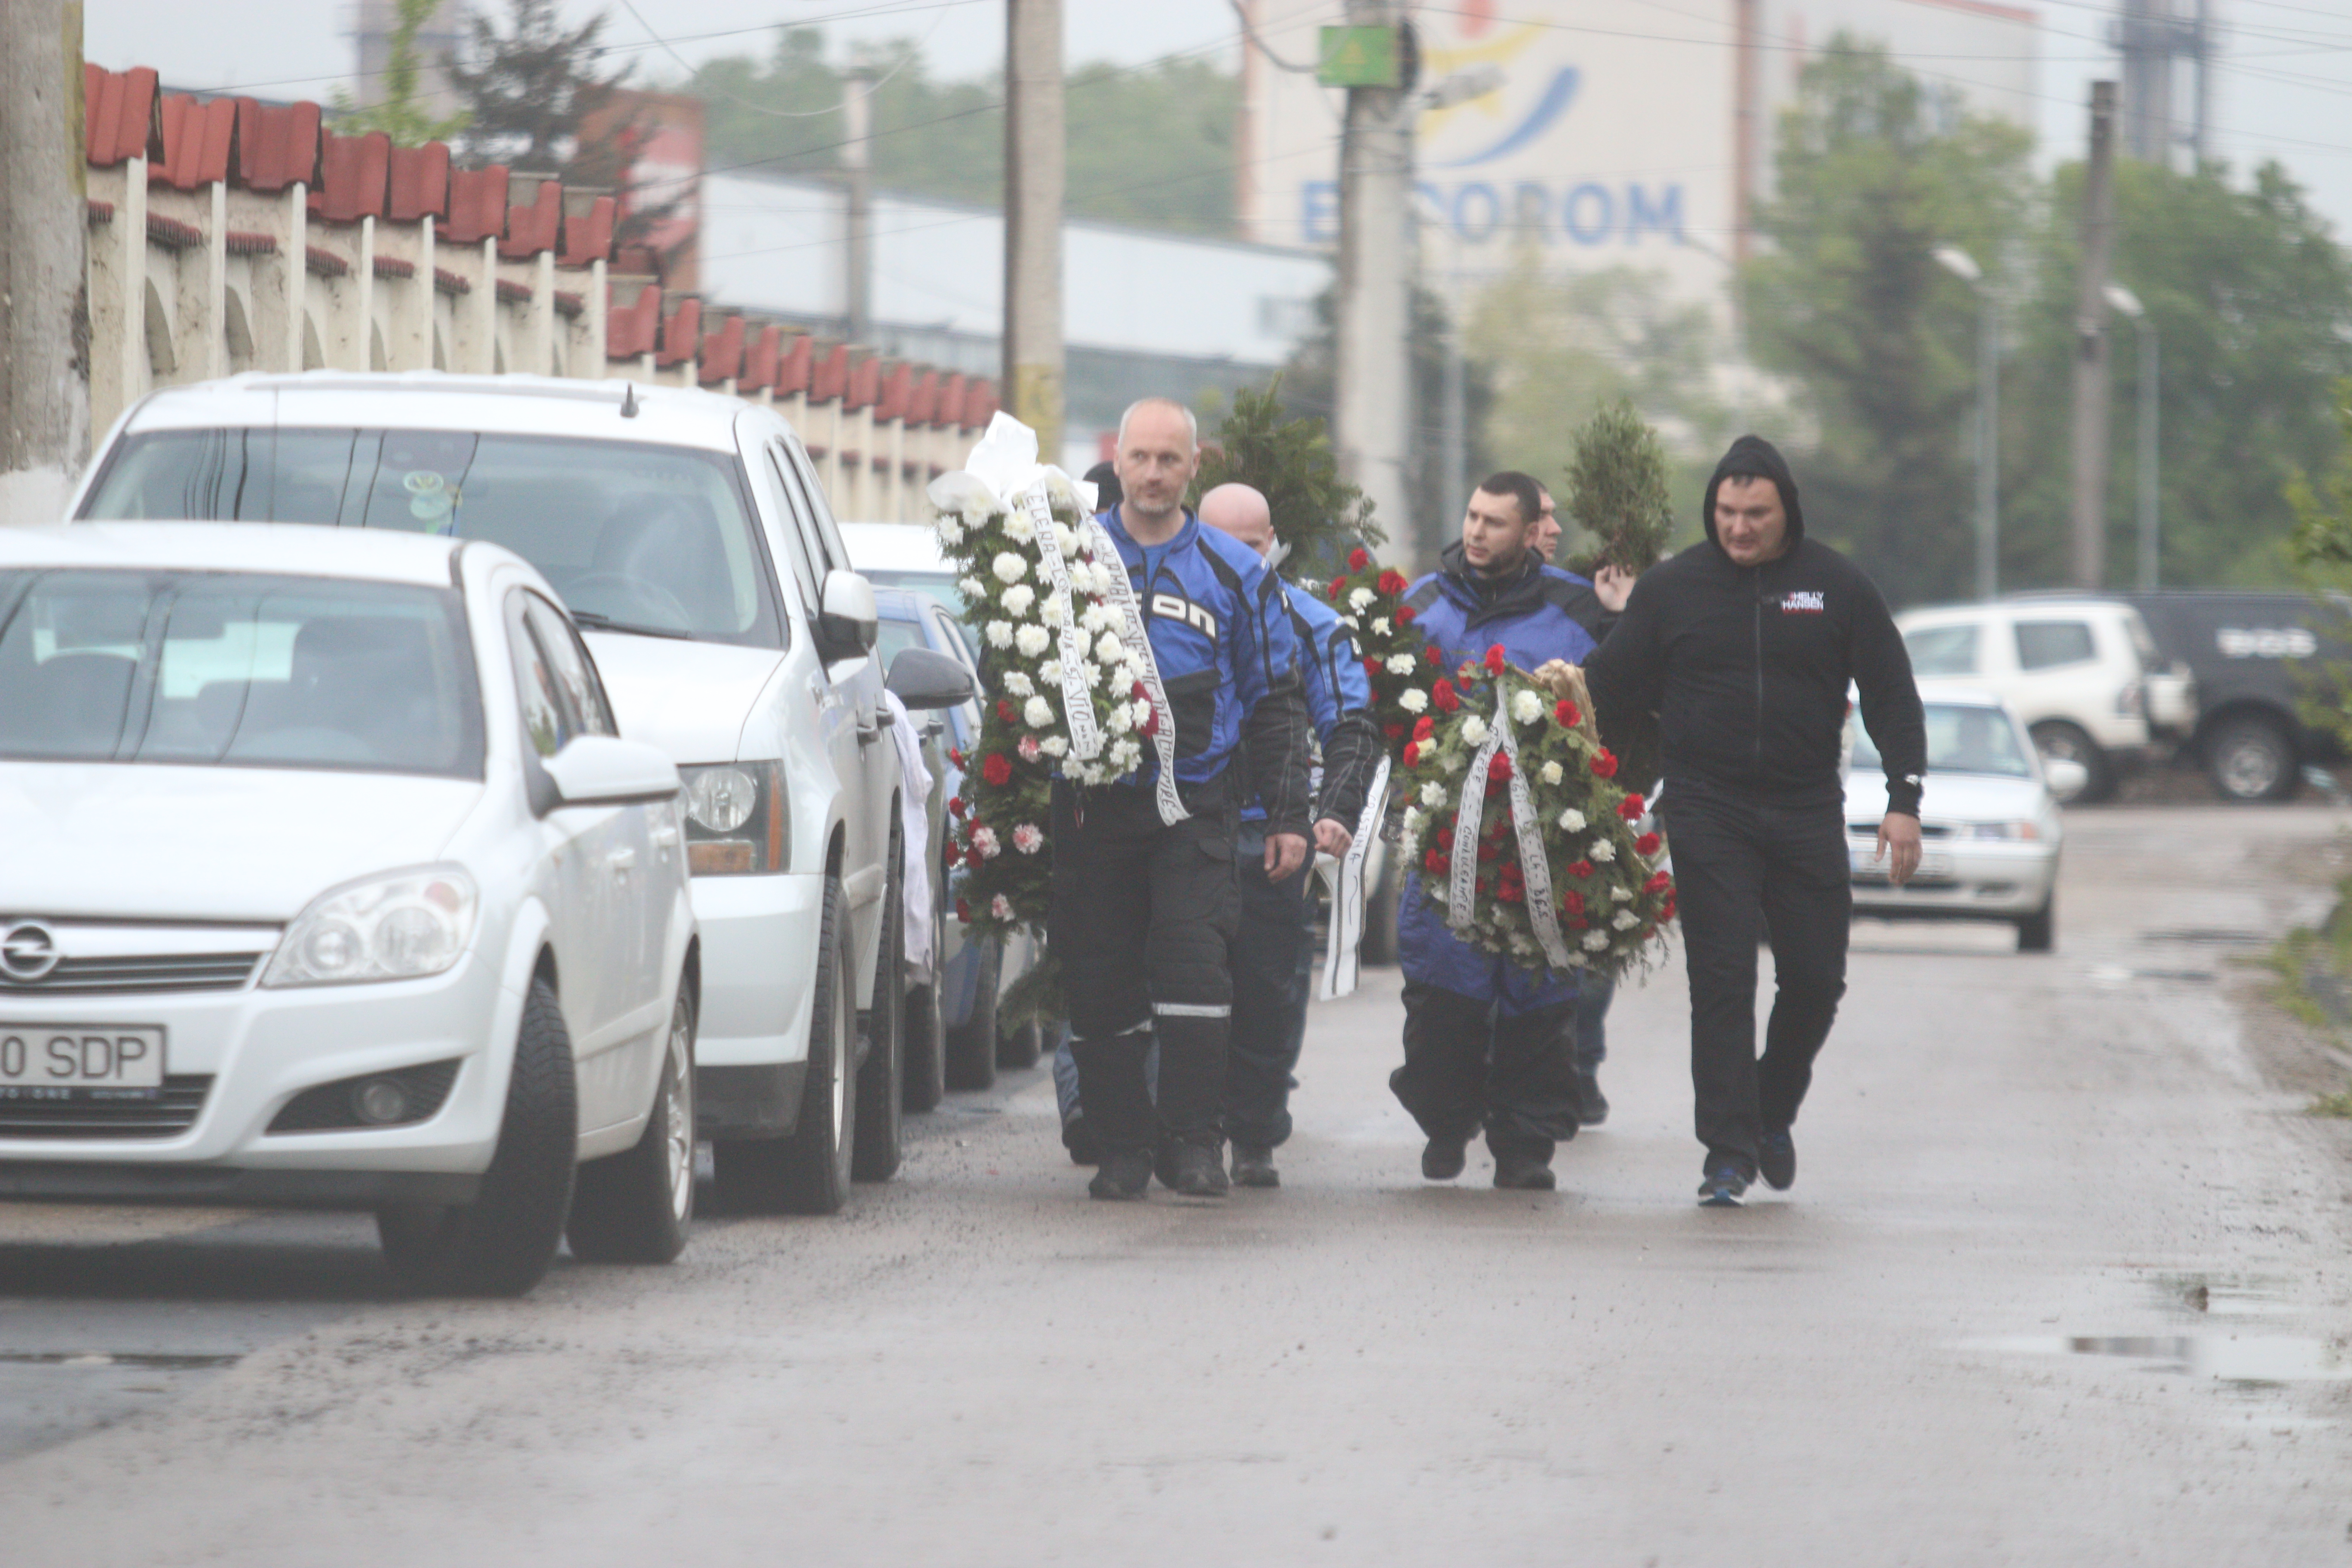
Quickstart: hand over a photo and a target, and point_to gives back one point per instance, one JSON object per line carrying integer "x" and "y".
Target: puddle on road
{"x": 2115, "y": 976}
{"x": 2234, "y": 1358}
{"x": 148, "y": 1360}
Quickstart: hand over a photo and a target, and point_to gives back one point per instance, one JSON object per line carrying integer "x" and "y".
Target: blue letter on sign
{"x": 1574, "y": 210}
{"x": 1667, "y": 218}
{"x": 1318, "y": 210}
{"x": 1478, "y": 232}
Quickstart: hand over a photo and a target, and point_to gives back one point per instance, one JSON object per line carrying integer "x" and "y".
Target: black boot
{"x": 1254, "y": 1166}
{"x": 1522, "y": 1164}
{"x": 1124, "y": 1177}
{"x": 1441, "y": 1159}
{"x": 1079, "y": 1139}
{"x": 1592, "y": 1105}
{"x": 1200, "y": 1171}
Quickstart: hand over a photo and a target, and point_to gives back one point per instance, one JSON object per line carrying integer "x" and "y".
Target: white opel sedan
{"x": 329, "y": 883}
{"x": 1988, "y": 825}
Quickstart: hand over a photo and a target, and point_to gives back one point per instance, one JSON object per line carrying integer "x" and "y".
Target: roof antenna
{"x": 628, "y": 400}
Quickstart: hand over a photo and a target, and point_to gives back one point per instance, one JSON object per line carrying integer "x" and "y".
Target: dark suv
{"x": 2256, "y": 656}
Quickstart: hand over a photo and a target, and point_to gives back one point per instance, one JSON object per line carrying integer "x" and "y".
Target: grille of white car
{"x": 174, "y": 1110}
{"x": 117, "y": 975}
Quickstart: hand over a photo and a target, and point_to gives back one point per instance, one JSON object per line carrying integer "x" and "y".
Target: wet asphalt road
{"x": 2063, "y": 1281}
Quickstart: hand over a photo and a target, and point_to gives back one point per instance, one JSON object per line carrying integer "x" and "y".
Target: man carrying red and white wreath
{"x": 1485, "y": 1037}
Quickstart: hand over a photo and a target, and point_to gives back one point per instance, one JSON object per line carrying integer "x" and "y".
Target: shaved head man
{"x": 1158, "y": 453}
{"x": 1242, "y": 512}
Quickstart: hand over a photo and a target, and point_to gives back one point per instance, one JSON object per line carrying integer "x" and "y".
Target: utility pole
{"x": 44, "y": 297}
{"x": 2089, "y": 530}
{"x": 857, "y": 226}
{"x": 1372, "y": 380}
{"x": 1034, "y": 161}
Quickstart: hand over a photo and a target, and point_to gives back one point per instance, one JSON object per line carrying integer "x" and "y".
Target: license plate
{"x": 1932, "y": 868}
{"x": 69, "y": 1061}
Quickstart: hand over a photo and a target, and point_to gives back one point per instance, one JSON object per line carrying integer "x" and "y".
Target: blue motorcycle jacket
{"x": 1228, "y": 657}
{"x": 1338, "y": 703}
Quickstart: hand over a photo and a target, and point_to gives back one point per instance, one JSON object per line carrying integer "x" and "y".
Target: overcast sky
{"x": 2286, "y": 90}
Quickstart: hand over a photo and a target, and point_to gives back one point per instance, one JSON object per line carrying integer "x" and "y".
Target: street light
{"x": 1963, "y": 265}
{"x": 2127, "y": 304}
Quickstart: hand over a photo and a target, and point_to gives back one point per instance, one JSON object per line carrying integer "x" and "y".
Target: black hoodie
{"x": 1748, "y": 667}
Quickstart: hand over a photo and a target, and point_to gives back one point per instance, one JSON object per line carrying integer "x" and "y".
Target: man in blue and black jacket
{"x": 1143, "y": 912}
{"x": 1273, "y": 958}
{"x": 1485, "y": 1040}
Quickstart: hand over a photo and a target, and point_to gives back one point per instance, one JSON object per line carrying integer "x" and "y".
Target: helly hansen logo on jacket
{"x": 1803, "y": 602}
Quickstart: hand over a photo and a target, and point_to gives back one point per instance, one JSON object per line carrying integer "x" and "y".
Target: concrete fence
{"x": 227, "y": 234}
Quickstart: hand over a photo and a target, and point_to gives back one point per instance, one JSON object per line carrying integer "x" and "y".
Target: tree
{"x": 1873, "y": 172}
{"x": 1617, "y": 489}
{"x": 401, "y": 114}
{"x": 530, "y": 86}
{"x": 1317, "y": 514}
{"x": 2252, "y": 301}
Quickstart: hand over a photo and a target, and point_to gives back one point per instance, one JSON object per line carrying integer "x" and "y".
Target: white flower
{"x": 1624, "y": 919}
{"x": 1055, "y": 611}
{"x": 1126, "y": 754}
{"x": 1132, "y": 673}
{"x": 1411, "y": 821}
{"x": 1037, "y": 712}
{"x": 1412, "y": 699}
{"x": 1474, "y": 731}
{"x": 971, "y": 587}
{"x": 1622, "y": 895}
{"x": 1066, "y": 540}
{"x": 1093, "y": 672}
{"x": 1027, "y": 839}
{"x": 951, "y": 528}
{"x": 1595, "y": 941}
{"x": 976, "y": 512}
{"x": 1121, "y": 720}
{"x": 1031, "y": 640}
{"x": 1526, "y": 706}
{"x": 1000, "y": 634}
{"x": 1094, "y": 618}
{"x": 1110, "y": 649}
{"x": 1018, "y": 684}
{"x": 1381, "y": 626}
{"x": 1352, "y": 623}
{"x": 1402, "y": 664}
{"x": 1009, "y": 567}
{"x": 1018, "y": 598}
{"x": 1578, "y": 960}
{"x": 1433, "y": 794}
{"x": 1360, "y": 600}
{"x": 1050, "y": 672}
{"x": 983, "y": 839}
{"x": 1549, "y": 773}
{"x": 1001, "y": 906}
{"x": 1054, "y": 745}
{"x": 1019, "y": 528}
{"x": 1603, "y": 851}
{"x": 1571, "y": 820}
{"x": 1103, "y": 579}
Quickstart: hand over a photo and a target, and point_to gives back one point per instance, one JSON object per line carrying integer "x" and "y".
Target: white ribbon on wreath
{"x": 1345, "y": 878}
{"x": 1132, "y": 628}
{"x": 1461, "y": 888}
{"x": 1077, "y": 702}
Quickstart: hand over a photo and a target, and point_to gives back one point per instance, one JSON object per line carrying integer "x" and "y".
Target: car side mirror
{"x": 923, "y": 678}
{"x": 2065, "y": 776}
{"x": 603, "y": 770}
{"x": 847, "y": 623}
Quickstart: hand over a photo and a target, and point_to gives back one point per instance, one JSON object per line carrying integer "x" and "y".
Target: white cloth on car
{"x": 914, "y": 815}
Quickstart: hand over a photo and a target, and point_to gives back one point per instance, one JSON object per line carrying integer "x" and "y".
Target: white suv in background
{"x": 690, "y": 539}
{"x": 2083, "y": 673}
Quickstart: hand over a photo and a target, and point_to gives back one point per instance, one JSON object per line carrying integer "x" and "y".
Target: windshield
{"x": 937, "y": 586}
{"x": 1962, "y": 737}
{"x": 235, "y": 669}
{"x": 635, "y": 538}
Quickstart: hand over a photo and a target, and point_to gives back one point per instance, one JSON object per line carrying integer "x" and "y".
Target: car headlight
{"x": 399, "y": 926}
{"x": 2005, "y": 830}
{"x": 738, "y": 818}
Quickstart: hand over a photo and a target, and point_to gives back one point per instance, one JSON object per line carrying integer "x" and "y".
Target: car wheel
{"x": 2038, "y": 932}
{"x": 634, "y": 1207}
{"x": 881, "y": 1102}
{"x": 501, "y": 1243}
{"x": 972, "y": 1045}
{"x": 808, "y": 1172}
{"x": 2071, "y": 742}
{"x": 1022, "y": 1046}
{"x": 2251, "y": 759}
{"x": 925, "y": 1067}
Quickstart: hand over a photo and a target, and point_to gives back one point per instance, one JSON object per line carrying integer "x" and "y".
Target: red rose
{"x": 1498, "y": 771}
{"x": 1631, "y": 807}
{"x": 1004, "y": 709}
{"x": 1424, "y": 727}
{"x": 1574, "y": 903}
{"x": 1646, "y": 844}
{"x": 1580, "y": 870}
{"x": 1395, "y": 731}
{"x": 1496, "y": 659}
{"x": 1405, "y": 614}
{"x": 1434, "y": 654}
{"x": 1412, "y": 753}
{"x": 973, "y": 858}
{"x": 1604, "y": 764}
{"x": 1139, "y": 693}
{"x": 955, "y": 755}
{"x": 964, "y": 911}
{"x": 1434, "y": 862}
{"x": 1357, "y": 560}
{"x": 1339, "y": 586}
{"x": 1371, "y": 665}
{"x": 1511, "y": 893}
{"x": 997, "y": 770}
{"x": 1394, "y": 581}
{"x": 1442, "y": 695}
{"x": 1576, "y": 923}
{"x": 1150, "y": 725}
{"x": 1658, "y": 883}
{"x": 955, "y": 806}
{"x": 1568, "y": 714}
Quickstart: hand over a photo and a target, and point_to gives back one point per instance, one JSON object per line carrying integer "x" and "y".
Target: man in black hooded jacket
{"x": 1744, "y": 646}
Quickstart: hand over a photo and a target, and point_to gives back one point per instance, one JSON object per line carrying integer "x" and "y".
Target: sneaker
{"x": 1080, "y": 1140}
{"x": 1254, "y": 1166}
{"x": 1524, "y": 1171}
{"x": 1592, "y": 1105}
{"x": 1444, "y": 1158}
{"x": 1124, "y": 1178}
{"x": 1776, "y": 1159}
{"x": 1200, "y": 1171}
{"x": 1722, "y": 1188}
